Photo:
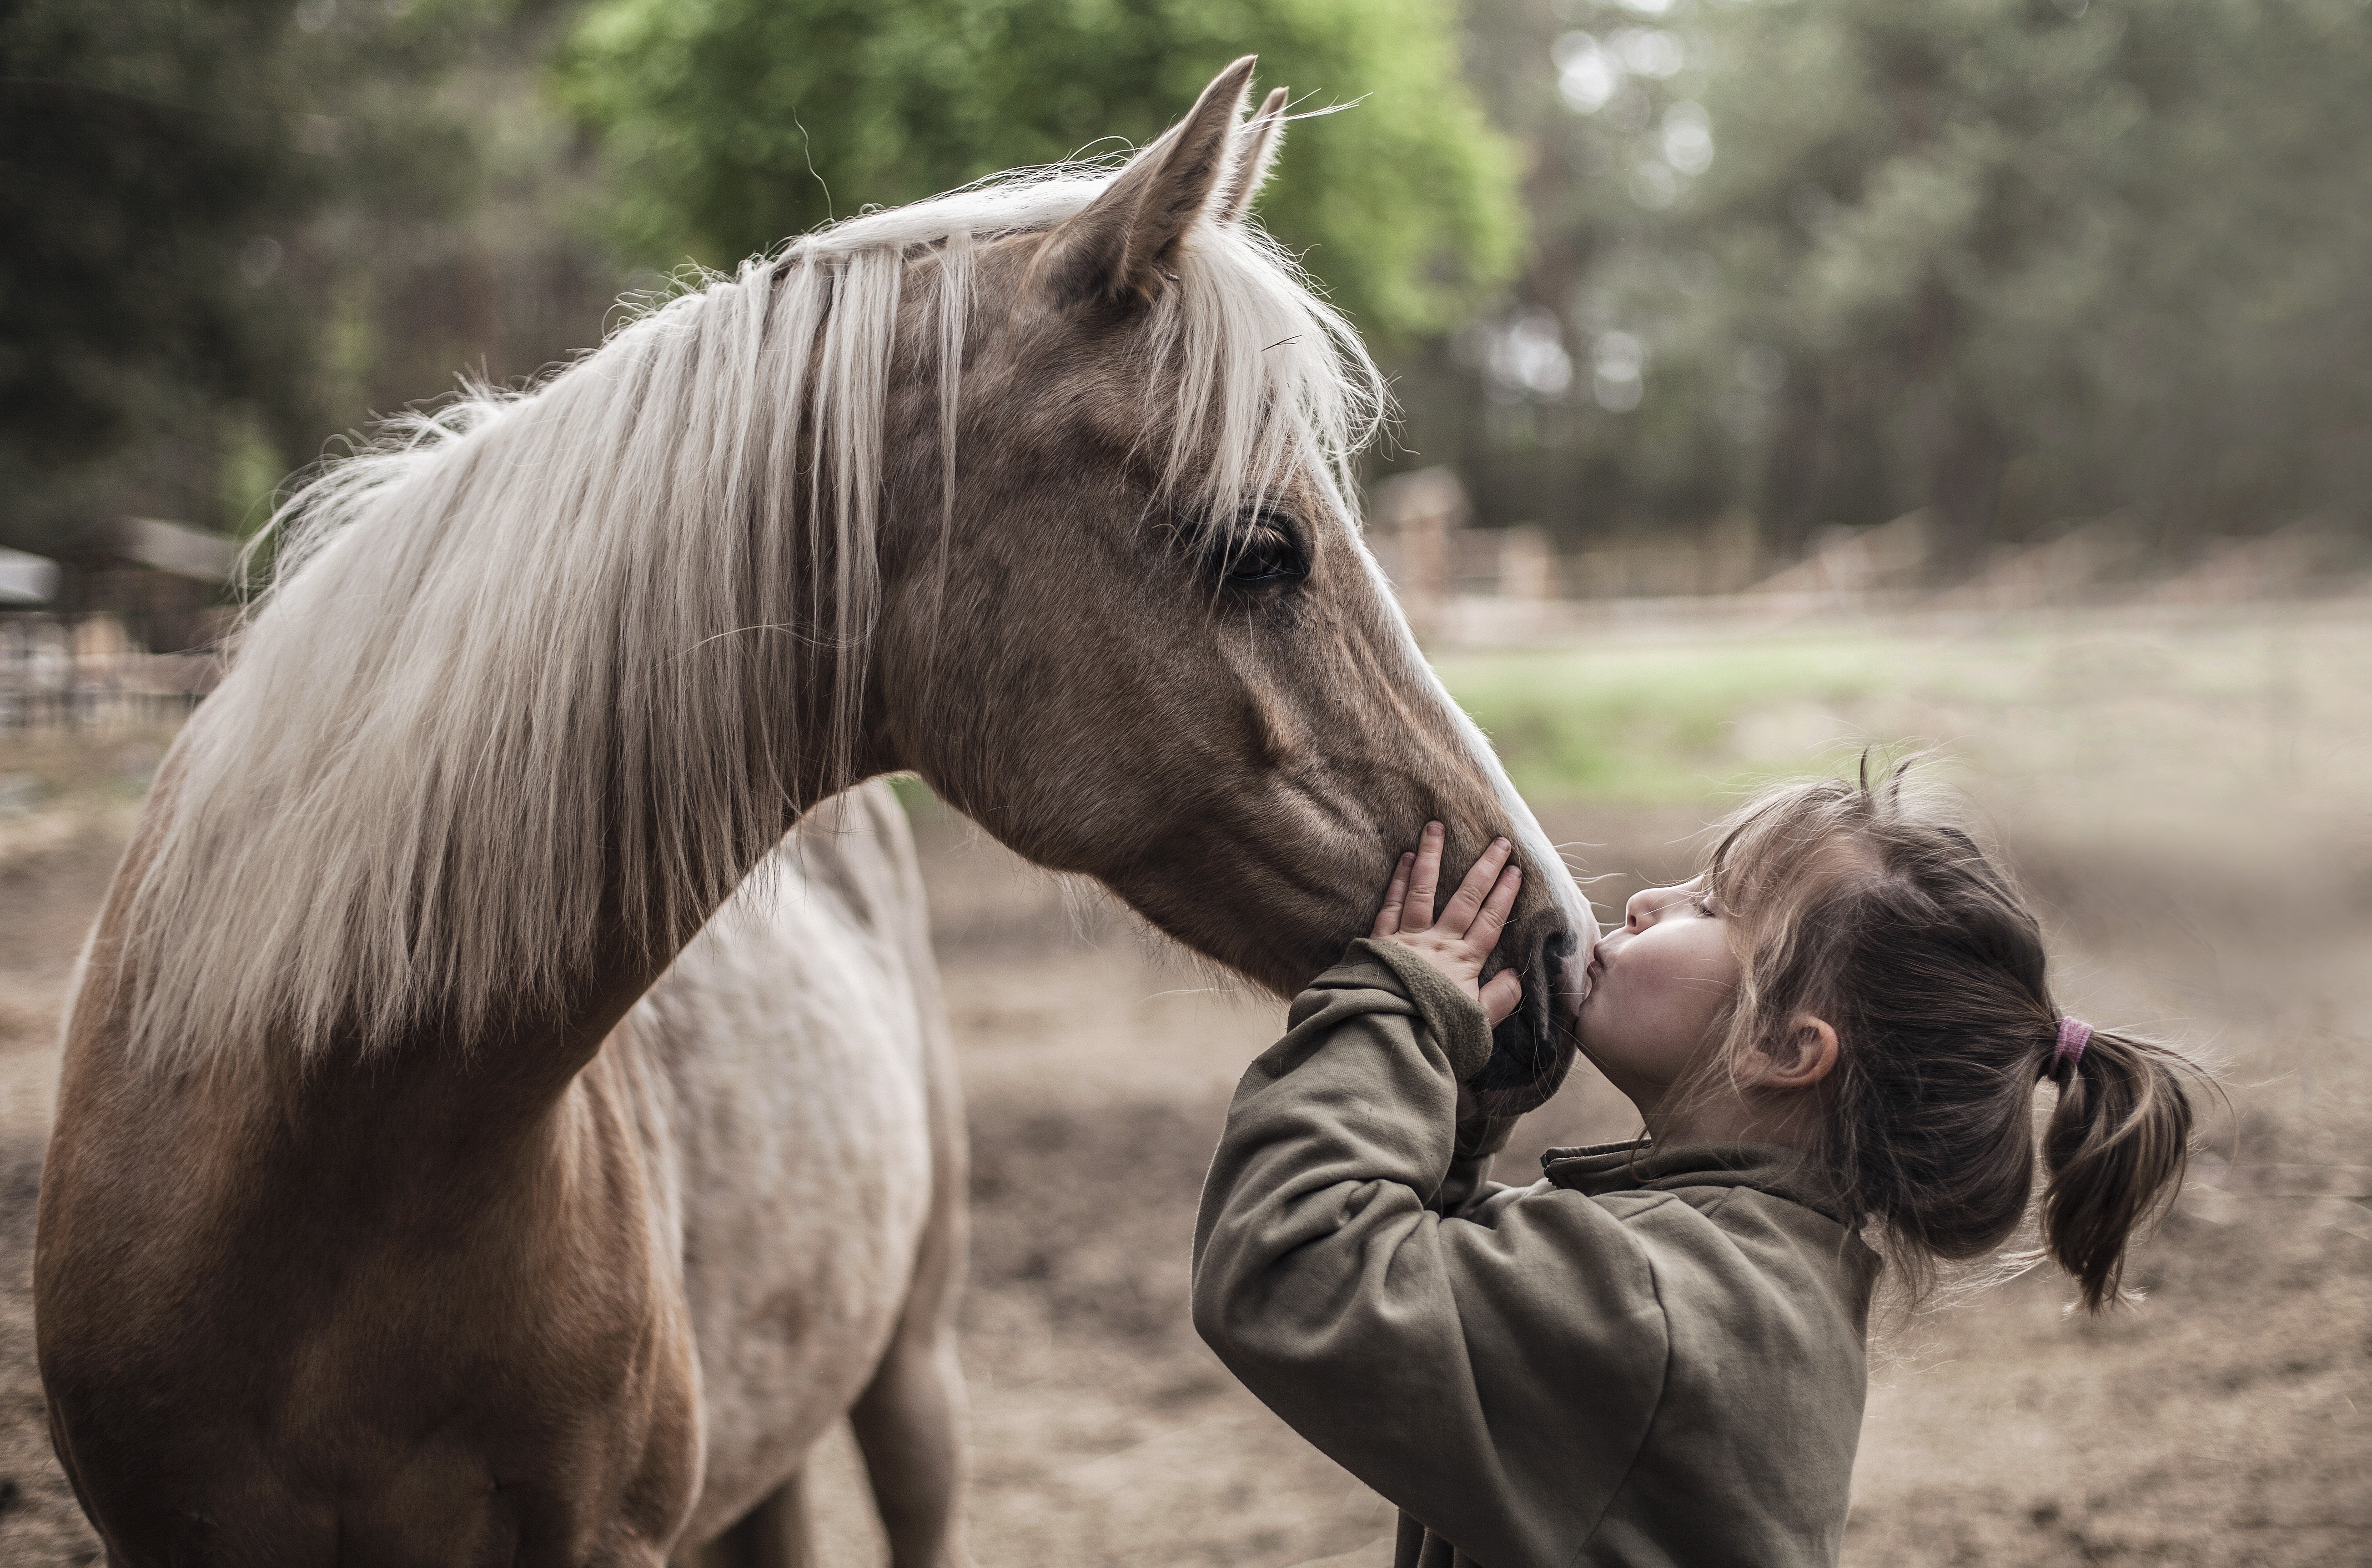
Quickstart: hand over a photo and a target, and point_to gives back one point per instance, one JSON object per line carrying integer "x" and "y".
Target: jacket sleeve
{"x": 1493, "y": 1379}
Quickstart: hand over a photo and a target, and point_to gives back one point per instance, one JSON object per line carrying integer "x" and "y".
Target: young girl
{"x": 1655, "y": 1356}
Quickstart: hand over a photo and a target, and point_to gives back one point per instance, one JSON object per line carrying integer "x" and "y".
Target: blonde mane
{"x": 525, "y": 671}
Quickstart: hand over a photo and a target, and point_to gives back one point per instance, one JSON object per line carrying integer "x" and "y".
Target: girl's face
{"x": 1658, "y": 986}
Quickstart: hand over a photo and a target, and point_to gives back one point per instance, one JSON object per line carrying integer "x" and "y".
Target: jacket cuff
{"x": 1456, "y": 1019}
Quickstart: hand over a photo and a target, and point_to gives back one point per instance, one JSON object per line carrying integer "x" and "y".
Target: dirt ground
{"x": 2227, "y": 1421}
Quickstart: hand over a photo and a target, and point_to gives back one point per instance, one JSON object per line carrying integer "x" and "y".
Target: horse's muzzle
{"x": 1532, "y": 1050}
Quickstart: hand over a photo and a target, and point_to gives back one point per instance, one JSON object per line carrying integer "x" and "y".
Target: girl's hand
{"x": 1458, "y": 941}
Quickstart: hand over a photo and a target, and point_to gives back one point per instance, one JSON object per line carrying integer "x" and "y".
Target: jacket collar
{"x": 1640, "y": 1166}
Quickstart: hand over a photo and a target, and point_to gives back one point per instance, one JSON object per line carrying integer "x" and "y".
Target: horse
{"x": 506, "y": 1111}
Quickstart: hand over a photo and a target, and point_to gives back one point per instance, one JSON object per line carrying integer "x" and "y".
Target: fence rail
{"x": 1461, "y": 584}
{"x": 62, "y": 671}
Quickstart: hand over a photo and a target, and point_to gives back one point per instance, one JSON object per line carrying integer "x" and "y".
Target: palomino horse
{"x": 451, "y": 1166}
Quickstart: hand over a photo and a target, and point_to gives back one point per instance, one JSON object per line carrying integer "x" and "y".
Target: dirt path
{"x": 2229, "y": 1421}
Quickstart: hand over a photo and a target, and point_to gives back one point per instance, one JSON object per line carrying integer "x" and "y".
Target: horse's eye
{"x": 1263, "y": 556}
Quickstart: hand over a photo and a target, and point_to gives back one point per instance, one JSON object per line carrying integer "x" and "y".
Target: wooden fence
{"x": 59, "y": 671}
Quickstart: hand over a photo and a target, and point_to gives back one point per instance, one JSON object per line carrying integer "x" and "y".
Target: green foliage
{"x": 2023, "y": 261}
{"x": 736, "y": 123}
{"x": 252, "y": 471}
{"x": 141, "y": 151}
{"x": 231, "y": 230}
{"x": 921, "y": 803}
{"x": 1812, "y": 260}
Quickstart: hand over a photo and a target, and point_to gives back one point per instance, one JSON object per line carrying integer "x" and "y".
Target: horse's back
{"x": 800, "y": 1048}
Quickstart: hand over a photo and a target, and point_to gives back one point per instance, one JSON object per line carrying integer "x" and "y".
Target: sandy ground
{"x": 2228, "y": 1421}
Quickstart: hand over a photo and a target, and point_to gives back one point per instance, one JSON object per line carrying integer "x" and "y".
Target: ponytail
{"x": 2114, "y": 1151}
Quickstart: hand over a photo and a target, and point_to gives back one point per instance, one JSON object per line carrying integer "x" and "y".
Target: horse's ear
{"x": 1255, "y": 150}
{"x": 1119, "y": 245}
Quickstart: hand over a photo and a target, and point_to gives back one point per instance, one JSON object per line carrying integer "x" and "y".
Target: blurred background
{"x": 1778, "y": 378}
{"x": 1689, "y": 287}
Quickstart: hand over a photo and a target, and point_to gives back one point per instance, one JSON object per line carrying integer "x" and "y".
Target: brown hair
{"x": 1865, "y": 906}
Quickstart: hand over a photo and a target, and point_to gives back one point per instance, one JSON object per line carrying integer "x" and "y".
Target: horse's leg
{"x": 906, "y": 1423}
{"x": 909, "y": 1420}
{"x": 772, "y": 1535}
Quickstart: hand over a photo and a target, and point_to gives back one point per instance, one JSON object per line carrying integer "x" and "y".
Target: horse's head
{"x": 1145, "y": 641}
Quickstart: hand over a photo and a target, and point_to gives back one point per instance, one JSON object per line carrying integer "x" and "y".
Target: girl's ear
{"x": 1799, "y": 1058}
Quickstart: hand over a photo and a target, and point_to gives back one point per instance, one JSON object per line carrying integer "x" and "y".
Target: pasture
{"x": 2189, "y": 792}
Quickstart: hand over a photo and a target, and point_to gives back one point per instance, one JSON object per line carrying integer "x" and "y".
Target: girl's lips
{"x": 1576, "y": 979}
{"x": 1590, "y": 972}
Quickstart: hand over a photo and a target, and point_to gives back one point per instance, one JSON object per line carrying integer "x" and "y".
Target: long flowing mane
{"x": 523, "y": 671}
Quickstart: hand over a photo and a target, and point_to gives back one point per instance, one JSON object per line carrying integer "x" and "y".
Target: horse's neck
{"x": 430, "y": 1077}
{"x": 622, "y": 839}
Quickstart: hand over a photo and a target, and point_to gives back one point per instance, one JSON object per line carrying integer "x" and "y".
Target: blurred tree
{"x": 145, "y": 160}
{"x": 736, "y": 123}
{"x": 2018, "y": 260}
{"x": 230, "y": 230}
{"x": 1808, "y": 261}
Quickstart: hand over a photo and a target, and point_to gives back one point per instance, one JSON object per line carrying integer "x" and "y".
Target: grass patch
{"x": 921, "y": 802}
{"x": 1652, "y": 723}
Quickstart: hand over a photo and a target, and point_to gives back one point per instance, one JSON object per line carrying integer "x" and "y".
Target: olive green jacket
{"x": 1645, "y": 1359}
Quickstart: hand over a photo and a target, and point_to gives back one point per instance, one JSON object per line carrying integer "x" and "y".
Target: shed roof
{"x": 27, "y": 579}
{"x": 162, "y": 546}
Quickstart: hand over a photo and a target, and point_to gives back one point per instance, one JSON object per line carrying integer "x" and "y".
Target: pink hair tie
{"x": 2075, "y": 1034}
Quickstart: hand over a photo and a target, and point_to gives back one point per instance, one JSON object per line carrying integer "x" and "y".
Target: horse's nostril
{"x": 1530, "y": 1053}
{"x": 1542, "y": 952}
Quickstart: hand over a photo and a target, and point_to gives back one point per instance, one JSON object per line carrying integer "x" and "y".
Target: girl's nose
{"x": 1642, "y": 909}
